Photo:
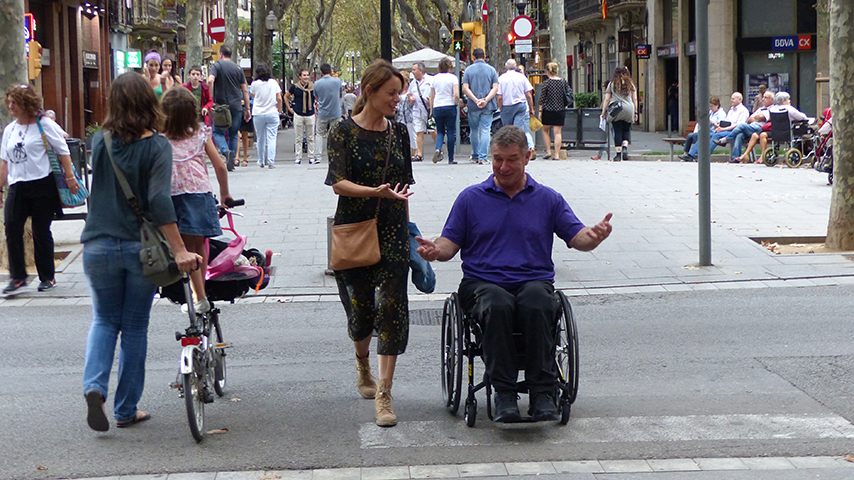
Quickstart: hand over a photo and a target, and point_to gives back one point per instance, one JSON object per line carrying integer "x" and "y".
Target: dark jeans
{"x": 38, "y": 199}
{"x": 690, "y": 140}
{"x": 446, "y": 126}
{"x": 529, "y": 308}
{"x": 622, "y": 132}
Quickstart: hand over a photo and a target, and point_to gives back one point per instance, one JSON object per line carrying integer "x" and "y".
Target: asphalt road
{"x": 760, "y": 372}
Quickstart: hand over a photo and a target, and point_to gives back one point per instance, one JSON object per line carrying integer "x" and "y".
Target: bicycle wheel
{"x": 194, "y": 387}
{"x": 218, "y": 357}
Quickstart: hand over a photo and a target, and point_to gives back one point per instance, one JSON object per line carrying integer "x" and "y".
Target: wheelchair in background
{"x": 788, "y": 141}
{"x": 462, "y": 339}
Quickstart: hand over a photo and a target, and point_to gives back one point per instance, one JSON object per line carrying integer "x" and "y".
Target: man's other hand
{"x": 427, "y": 249}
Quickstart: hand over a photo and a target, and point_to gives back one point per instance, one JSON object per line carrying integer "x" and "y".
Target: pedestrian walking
{"x": 444, "y": 101}
{"x": 202, "y": 93}
{"x": 555, "y": 98}
{"x": 228, "y": 87}
{"x": 151, "y": 71}
{"x": 121, "y": 294}
{"x": 168, "y": 73}
{"x": 516, "y": 101}
{"x": 480, "y": 85}
{"x": 621, "y": 92}
{"x": 329, "y": 91}
{"x": 403, "y": 113}
{"x": 195, "y": 206}
{"x": 267, "y": 106}
{"x": 349, "y": 101}
{"x": 419, "y": 96}
{"x": 375, "y": 296}
{"x": 26, "y": 168}
{"x": 303, "y": 97}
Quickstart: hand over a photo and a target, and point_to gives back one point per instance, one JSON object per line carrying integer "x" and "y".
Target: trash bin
{"x": 589, "y": 132}
{"x": 569, "y": 132}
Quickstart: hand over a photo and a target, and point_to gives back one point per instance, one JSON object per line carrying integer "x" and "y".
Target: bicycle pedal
{"x": 222, "y": 345}
{"x": 175, "y": 385}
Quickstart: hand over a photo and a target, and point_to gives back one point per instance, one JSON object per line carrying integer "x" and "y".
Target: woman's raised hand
{"x": 397, "y": 193}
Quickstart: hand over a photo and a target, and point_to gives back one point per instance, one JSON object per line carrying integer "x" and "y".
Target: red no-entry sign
{"x": 216, "y": 29}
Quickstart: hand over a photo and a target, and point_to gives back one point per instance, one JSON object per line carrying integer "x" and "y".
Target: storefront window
{"x": 755, "y": 21}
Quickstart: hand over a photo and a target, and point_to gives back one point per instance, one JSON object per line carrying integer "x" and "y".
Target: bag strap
{"x": 385, "y": 169}
{"x": 54, "y": 162}
{"x": 123, "y": 181}
{"x": 422, "y": 99}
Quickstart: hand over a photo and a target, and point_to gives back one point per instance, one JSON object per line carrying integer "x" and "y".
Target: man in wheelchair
{"x": 504, "y": 229}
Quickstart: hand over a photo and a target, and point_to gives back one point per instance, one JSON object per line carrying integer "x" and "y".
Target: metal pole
{"x": 385, "y": 29}
{"x": 704, "y": 158}
{"x": 457, "y": 73}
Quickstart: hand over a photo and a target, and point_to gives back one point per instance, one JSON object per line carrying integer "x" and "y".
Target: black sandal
{"x": 95, "y": 417}
{"x": 133, "y": 421}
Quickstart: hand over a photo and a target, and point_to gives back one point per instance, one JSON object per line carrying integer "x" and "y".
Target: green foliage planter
{"x": 587, "y": 100}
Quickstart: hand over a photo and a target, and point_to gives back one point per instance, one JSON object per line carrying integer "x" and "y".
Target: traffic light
{"x": 34, "y": 63}
{"x": 510, "y": 38}
{"x": 458, "y": 40}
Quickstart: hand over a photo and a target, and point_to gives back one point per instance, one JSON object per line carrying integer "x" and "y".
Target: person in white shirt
{"x": 444, "y": 99}
{"x": 265, "y": 113}
{"x": 745, "y": 130}
{"x": 515, "y": 100}
{"x": 716, "y": 114}
{"x": 419, "y": 96}
{"x": 782, "y": 104}
{"x": 736, "y": 116}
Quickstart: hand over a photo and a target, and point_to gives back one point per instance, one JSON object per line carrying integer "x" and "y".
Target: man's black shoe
{"x": 506, "y": 409}
{"x": 47, "y": 285}
{"x": 14, "y": 285}
{"x": 686, "y": 158}
{"x": 543, "y": 407}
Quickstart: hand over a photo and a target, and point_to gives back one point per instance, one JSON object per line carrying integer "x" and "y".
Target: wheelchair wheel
{"x": 471, "y": 412}
{"x": 794, "y": 158}
{"x": 769, "y": 157}
{"x": 566, "y": 354}
{"x": 452, "y": 353}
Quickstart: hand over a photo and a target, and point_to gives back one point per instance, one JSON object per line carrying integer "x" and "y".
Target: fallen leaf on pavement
{"x": 690, "y": 267}
{"x": 217, "y": 431}
{"x": 849, "y": 458}
{"x": 235, "y": 399}
{"x": 41, "y": 468}
{"x": 269, "y": 477}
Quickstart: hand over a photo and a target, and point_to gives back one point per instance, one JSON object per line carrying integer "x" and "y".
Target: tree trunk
{"x": 498, "y": 26}
{"x": 194, "y": 33}
{"x": 840, "y": 227}
{"x": 557, "y": 36}
{"x": 13, "y": 69}
{"x": 231, "y": 34}
{"x": 261, "y": 46}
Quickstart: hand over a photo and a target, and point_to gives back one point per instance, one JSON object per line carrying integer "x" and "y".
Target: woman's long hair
{"x": 25, "y": 97}
{"x": 182, "y": 114}
{"x": 375, "y": 77}
{"x": 132, "y": 107}
{"x": 622, "y": 82}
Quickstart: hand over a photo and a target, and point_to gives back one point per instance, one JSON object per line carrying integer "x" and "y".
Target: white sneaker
{"x": 314, "y": 161}
{"x": 297, "y": 161}
{"x": 201, "y": 307}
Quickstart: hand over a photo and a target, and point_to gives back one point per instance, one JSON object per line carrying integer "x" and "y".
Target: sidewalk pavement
{"x": 654, "y": 246}
{"x": 756, "y": 468}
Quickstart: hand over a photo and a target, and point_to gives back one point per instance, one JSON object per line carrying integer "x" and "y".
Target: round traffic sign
{"x": 216, "y": 29}
{"x": 522, "y": 26}
{"x": 484, "y": 11}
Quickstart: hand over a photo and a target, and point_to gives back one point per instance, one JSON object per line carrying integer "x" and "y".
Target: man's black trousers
{"x": 529, "y": 308}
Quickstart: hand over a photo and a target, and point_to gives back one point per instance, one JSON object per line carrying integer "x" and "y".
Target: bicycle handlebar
{"x": 235, "y": 203}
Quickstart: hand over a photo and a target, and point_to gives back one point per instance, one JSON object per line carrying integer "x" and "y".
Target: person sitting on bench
{"x": 736, "y": 116}
{"x": 716, "y": 115}
{"x": 504, "y": 228}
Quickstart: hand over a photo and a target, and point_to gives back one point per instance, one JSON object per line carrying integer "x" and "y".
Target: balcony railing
{"x": 578, "y": 9}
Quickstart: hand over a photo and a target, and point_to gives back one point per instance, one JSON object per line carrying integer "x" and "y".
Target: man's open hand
{"x": 427, "y": 249}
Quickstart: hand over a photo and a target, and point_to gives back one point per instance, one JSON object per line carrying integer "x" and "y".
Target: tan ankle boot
{"x": 364, "y": 380}
{"x": 382, "y": 403}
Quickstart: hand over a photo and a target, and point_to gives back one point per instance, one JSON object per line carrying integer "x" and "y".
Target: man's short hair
{"x": 510, "y": 136}
{"x": 303, "y": 70}
{"x": 420, "y": 66}
{"x": 478, "y": 53}
{"x": 195, "y": 68}
{"x": 326, "y": 69}
{"x": 225, "y": 51}
{"x": 781, "y": 97}
{"x": 510, "y": 64}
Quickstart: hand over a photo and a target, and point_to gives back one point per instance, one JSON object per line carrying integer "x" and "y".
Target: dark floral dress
{"x": 374, "y": 297}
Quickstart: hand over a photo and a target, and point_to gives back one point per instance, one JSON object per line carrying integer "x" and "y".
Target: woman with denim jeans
{"x": 266, "y": 110}
{"x": 121, "y": 294}
{"x": 444, "y": 103}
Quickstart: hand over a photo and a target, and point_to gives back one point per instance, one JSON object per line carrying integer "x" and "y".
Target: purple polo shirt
{"x": 506, "y": 240}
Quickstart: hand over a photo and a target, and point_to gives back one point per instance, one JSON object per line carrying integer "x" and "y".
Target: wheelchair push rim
{"x": 452, "y": 353}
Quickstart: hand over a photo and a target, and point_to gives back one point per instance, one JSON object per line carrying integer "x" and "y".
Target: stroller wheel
{"x": 794, "y": 158}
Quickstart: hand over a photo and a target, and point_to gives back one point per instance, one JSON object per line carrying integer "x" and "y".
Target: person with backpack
{"x": 227, "y": 83}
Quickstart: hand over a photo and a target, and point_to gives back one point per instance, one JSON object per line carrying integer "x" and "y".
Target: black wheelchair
{"x": 462, "y": 339}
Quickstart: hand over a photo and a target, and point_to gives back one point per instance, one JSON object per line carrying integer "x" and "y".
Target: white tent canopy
{"x": 429, "y": 57}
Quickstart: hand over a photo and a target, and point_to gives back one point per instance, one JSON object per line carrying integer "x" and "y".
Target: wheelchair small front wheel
{"x": 471, "y": 412}
{"x": 769, "y": 157}
{"x": 794, "y": 158}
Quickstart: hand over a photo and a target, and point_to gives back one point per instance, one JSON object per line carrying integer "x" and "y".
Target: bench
{"x": 689, "y": 129}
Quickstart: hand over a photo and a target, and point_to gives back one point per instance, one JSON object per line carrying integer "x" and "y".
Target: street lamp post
{"x": 352, "y": 56}
{"x": 271, "y": 22}
{"x": 444, "y": 33}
